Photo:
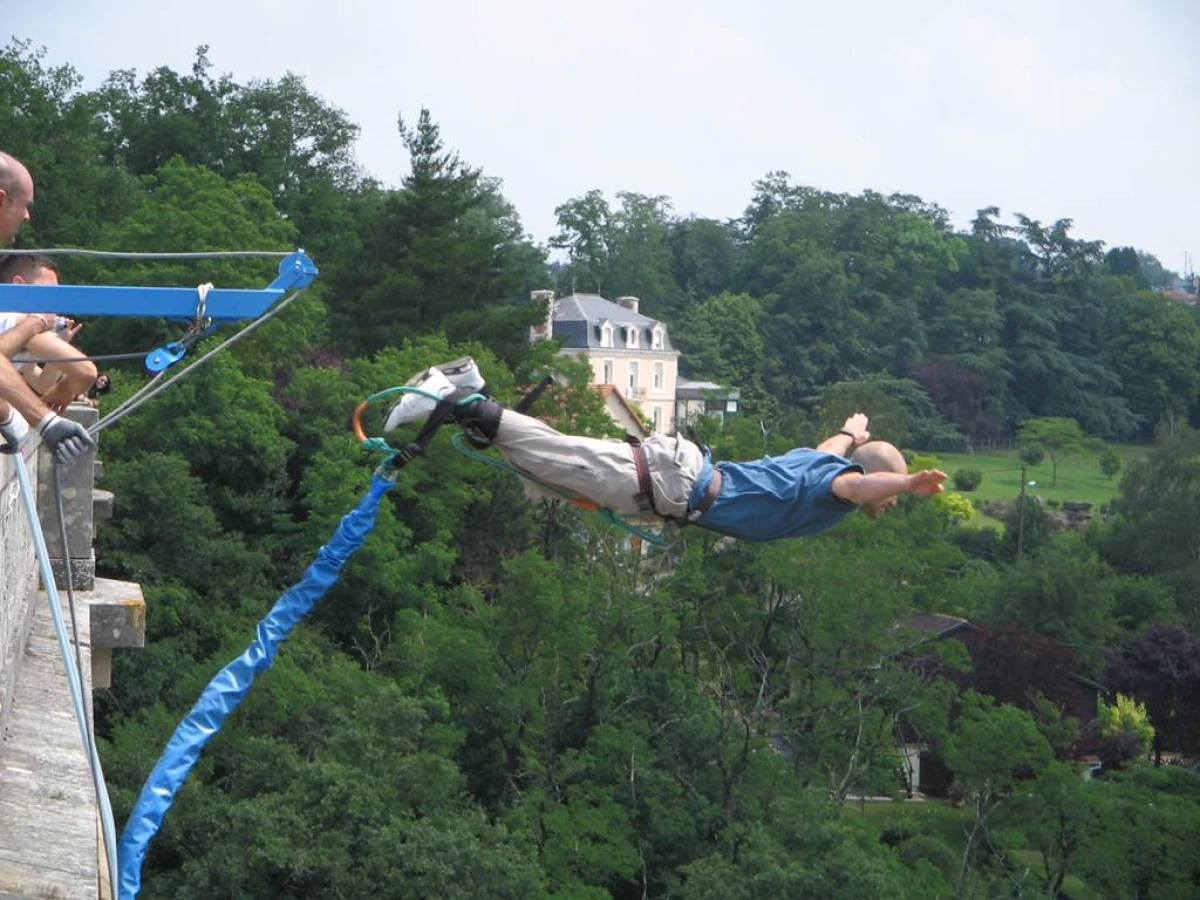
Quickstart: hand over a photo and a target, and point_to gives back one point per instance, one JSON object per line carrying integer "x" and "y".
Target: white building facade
{"x": 626, "y": 350}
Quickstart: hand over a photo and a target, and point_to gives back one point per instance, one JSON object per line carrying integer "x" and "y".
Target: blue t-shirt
{"x": 776, "y": 496}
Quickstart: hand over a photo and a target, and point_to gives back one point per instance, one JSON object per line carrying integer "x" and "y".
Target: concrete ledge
{"x": 83, "y": 572}
{"x": 102, "y": 504}
{"x": 117, "y": 611}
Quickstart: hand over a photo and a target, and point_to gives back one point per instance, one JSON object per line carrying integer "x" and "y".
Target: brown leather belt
{"x": 645, "y": 494}
{"x": 710, "y": 495}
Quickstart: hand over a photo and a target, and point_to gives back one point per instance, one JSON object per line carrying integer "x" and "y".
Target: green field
{"x": 1078, "y": 478}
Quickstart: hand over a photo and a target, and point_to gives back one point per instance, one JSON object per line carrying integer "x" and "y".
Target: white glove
{"x": 13, "y": 430}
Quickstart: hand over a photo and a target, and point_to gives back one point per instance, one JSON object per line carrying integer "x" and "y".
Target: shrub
{"x": 927, "y": 847}
{"x": 956, "y": 507}
{"x": 967, "y": 479}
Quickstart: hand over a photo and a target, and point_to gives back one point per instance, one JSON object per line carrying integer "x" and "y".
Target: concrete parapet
{"x": 77, "y": 484}
{"x": 18, "y": 574}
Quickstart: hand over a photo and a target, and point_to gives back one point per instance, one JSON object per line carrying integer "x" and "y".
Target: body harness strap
{"x": 645, "y": 494}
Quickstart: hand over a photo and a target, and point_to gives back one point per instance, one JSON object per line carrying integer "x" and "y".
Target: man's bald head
{"x": 880, "y": 456}
{"x": 16, "y": 195}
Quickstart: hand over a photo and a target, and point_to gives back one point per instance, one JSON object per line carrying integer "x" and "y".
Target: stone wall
{"x": 18, "y": 572}
{"x": 19, "y": 576}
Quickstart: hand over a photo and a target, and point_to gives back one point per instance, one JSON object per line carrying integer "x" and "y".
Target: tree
{"x": 722, "y": 341}
{"x": 1059, "y": 255}
{"x": 992, "y": 750}
{"x": 1156, "y": 352}
{"x": 1161, "y": 668}
{"x": 1110, "y": 462}
{"x": 1124, "y": 262}
{"x": 1142, "y": 839}
{"x": 1061, "y": 587}
{"x": 889, "y": 418}
{"x": 1157, "y": 528}
{"x": 185, "y": 208}
{"x": 1032, "y": 454}
{"x": 1061, "y": 437}
{"x": 55, "y": 129}
{"x": 1125, "y": 730}
{"x": 1013, "y": 664}
{"x": 585, "y": 231}
{"x": 971, "y": 400}
{"x": 443, "y": 252}
{"x": 1062, "y": 818}
{"x": 704, "y": 260}
{"x": 622, "y": 250}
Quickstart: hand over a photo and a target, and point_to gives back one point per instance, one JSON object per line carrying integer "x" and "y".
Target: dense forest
{"x": 504, "y": 699}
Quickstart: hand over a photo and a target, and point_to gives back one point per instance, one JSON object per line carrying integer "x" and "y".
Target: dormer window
{"x": 606, "y": 334}
{"x": 632, "y": 337}
{"x": 657, "y": 338}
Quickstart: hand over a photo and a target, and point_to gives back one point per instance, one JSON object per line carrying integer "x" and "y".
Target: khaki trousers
{"x": 600, "y": 470}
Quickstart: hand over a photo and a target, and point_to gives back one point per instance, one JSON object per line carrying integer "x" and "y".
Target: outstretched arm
{"x": 858, "y": 488}
{"x": 853, "y": 433}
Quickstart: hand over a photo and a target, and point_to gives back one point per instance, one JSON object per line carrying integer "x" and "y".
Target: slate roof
{"x": 936, "y": 625}
{"x": 700, "y": 390}
{"x": 577, "y": 321}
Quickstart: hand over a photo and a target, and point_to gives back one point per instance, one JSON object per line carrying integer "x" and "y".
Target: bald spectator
{"x": 65, "y": 438}
{"x": 16, "y": 196}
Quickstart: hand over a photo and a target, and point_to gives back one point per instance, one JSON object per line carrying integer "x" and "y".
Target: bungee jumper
{"x": 802, "y": 492}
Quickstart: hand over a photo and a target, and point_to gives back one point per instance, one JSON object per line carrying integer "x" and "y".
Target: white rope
{"x": 115, "y": 254}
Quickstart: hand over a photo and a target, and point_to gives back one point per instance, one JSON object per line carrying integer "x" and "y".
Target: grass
{"x": 1073, "y": 885}
{"x": 1079, "y": 478}
{"x": 935, "y": 817}
{"x": 939, "y": 819}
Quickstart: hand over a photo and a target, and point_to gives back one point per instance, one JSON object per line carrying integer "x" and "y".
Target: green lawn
{"x": 935, "y": 817}
{"x": 1078, "y": 479}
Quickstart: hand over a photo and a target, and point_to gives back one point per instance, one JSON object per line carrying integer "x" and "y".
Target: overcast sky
{"x": 1081, "y": 109}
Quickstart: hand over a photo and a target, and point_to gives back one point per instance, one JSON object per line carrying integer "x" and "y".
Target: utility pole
{"x": 1021, "y": 516}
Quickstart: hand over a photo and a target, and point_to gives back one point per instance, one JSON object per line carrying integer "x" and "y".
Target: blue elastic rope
{"x": 229, "y": 687}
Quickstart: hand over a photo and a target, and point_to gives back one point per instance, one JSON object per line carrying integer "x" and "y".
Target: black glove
{"x": 66, "y": 438}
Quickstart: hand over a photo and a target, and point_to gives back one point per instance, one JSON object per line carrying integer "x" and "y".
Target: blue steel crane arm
{"x": 296, "y": 271}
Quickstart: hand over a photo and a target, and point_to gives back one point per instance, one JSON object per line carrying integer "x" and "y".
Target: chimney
{"x": 630, "y": 303}
{"x": 544, "y": 330}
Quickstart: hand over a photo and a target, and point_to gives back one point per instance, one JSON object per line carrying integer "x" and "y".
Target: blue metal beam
{"x": 222, "y": 304}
